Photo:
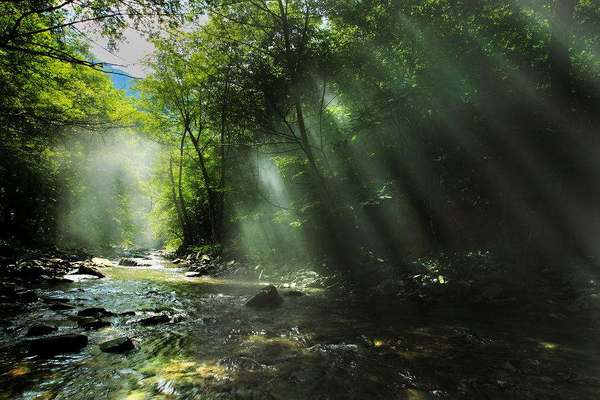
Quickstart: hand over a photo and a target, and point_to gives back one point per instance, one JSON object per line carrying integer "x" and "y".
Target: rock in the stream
{"x": 91, "y": 323}
{"x": 118, "y": 345}
{"x": 89, "y": 270}
{"x": 155, "y": 320}
{"x": 128, "y": 262}
{"x": 27, "y": 296}
{"x": 51, "y": 300}
{"x": 51, "y": 345}
{"x": 267, "y": 297}
{"x": 41, "y": 329}
{"x": 96, "y": 312}
{"x": 101, "y": 262}
{"x": 294, "y": 293}
{"x": 56, "y": 280}
{"x": 57, "y": 306}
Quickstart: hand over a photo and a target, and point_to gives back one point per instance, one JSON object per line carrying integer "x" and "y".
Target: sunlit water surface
{"x": 324, "y": 345}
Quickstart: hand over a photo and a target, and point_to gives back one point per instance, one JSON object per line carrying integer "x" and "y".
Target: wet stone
{"x": 155, "y": 320}
{"x": 57, "y": 306}
{"x": 41, "y": 329}
{"x": 90, "y": 323}
{"x": 294, "y": 293}
{"x": 117, "y": 345}
{"x": 102, "y": 262}
{"x": 51, "y": 345}
{"x": 89, "y": 270}
{"x": 128, "y": 262}
{"x": 56, "y": 280}
{"x": 27, "y": 296}
{"x": 94, "y": 312}
{"x": 268, "y": 297}
{"x": 51, "y": 300}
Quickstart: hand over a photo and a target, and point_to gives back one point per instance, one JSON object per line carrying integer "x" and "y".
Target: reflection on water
{"x": 320, "y": 346}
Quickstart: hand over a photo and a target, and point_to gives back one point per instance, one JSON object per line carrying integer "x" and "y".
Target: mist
{"x": 112, "y": 200}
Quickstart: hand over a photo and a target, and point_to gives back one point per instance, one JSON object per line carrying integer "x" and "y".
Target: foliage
{"x": 305, "y": 128}
{"x": 49, "y": 108}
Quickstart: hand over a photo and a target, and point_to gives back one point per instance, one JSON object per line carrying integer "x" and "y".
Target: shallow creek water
{"x": 324, "y": 345}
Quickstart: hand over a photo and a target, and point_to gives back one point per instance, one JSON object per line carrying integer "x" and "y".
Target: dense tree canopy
{"x": 330, "y": 127}
{"x": 411, "y": 127}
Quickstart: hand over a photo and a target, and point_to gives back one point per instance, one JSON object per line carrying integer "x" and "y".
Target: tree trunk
{"x": 305, "y": 142}
{"x": 184, "y": 213}
{"x": 221, "y": 195}
{"x": 210, "y": 193}
{"x": 178, "y": 206}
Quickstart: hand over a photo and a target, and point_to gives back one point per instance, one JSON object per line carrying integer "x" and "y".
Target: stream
{"x": 323, "y": 345}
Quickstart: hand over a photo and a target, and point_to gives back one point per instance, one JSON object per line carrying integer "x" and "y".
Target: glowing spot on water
{"x": 378, "y": 343}
{"x": 549, "y": 345}
{"x": 19, "y": 370}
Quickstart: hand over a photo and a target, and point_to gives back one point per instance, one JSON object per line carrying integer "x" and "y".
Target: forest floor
{"x": 194, "y": 337}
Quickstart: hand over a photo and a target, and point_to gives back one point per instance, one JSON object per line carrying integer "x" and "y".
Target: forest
{"x": 300, "y": 199}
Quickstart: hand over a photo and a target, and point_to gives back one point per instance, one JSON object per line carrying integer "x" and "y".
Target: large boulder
{"x": 41, "y": 329}
{"x": 96, "y": 312}
{"x": 89, "y": 270}
{"x": 58, "y": 306}
{"x": 268, "y": 297}
{"x": 56, "y": 279}
{"x": 51, "y": 345}
{"x": 101, "y": 262}
{"x": 31, "y": 270}
{"x": 27, "y": 296}
{"x": 128, "y": 262}
{"x": 117, "y": 345}
{"x": 155, "y": 320}
{"x": 91, "y": 323}
{"x": 294, "y": 293}
{"x": 50, "y": 300}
